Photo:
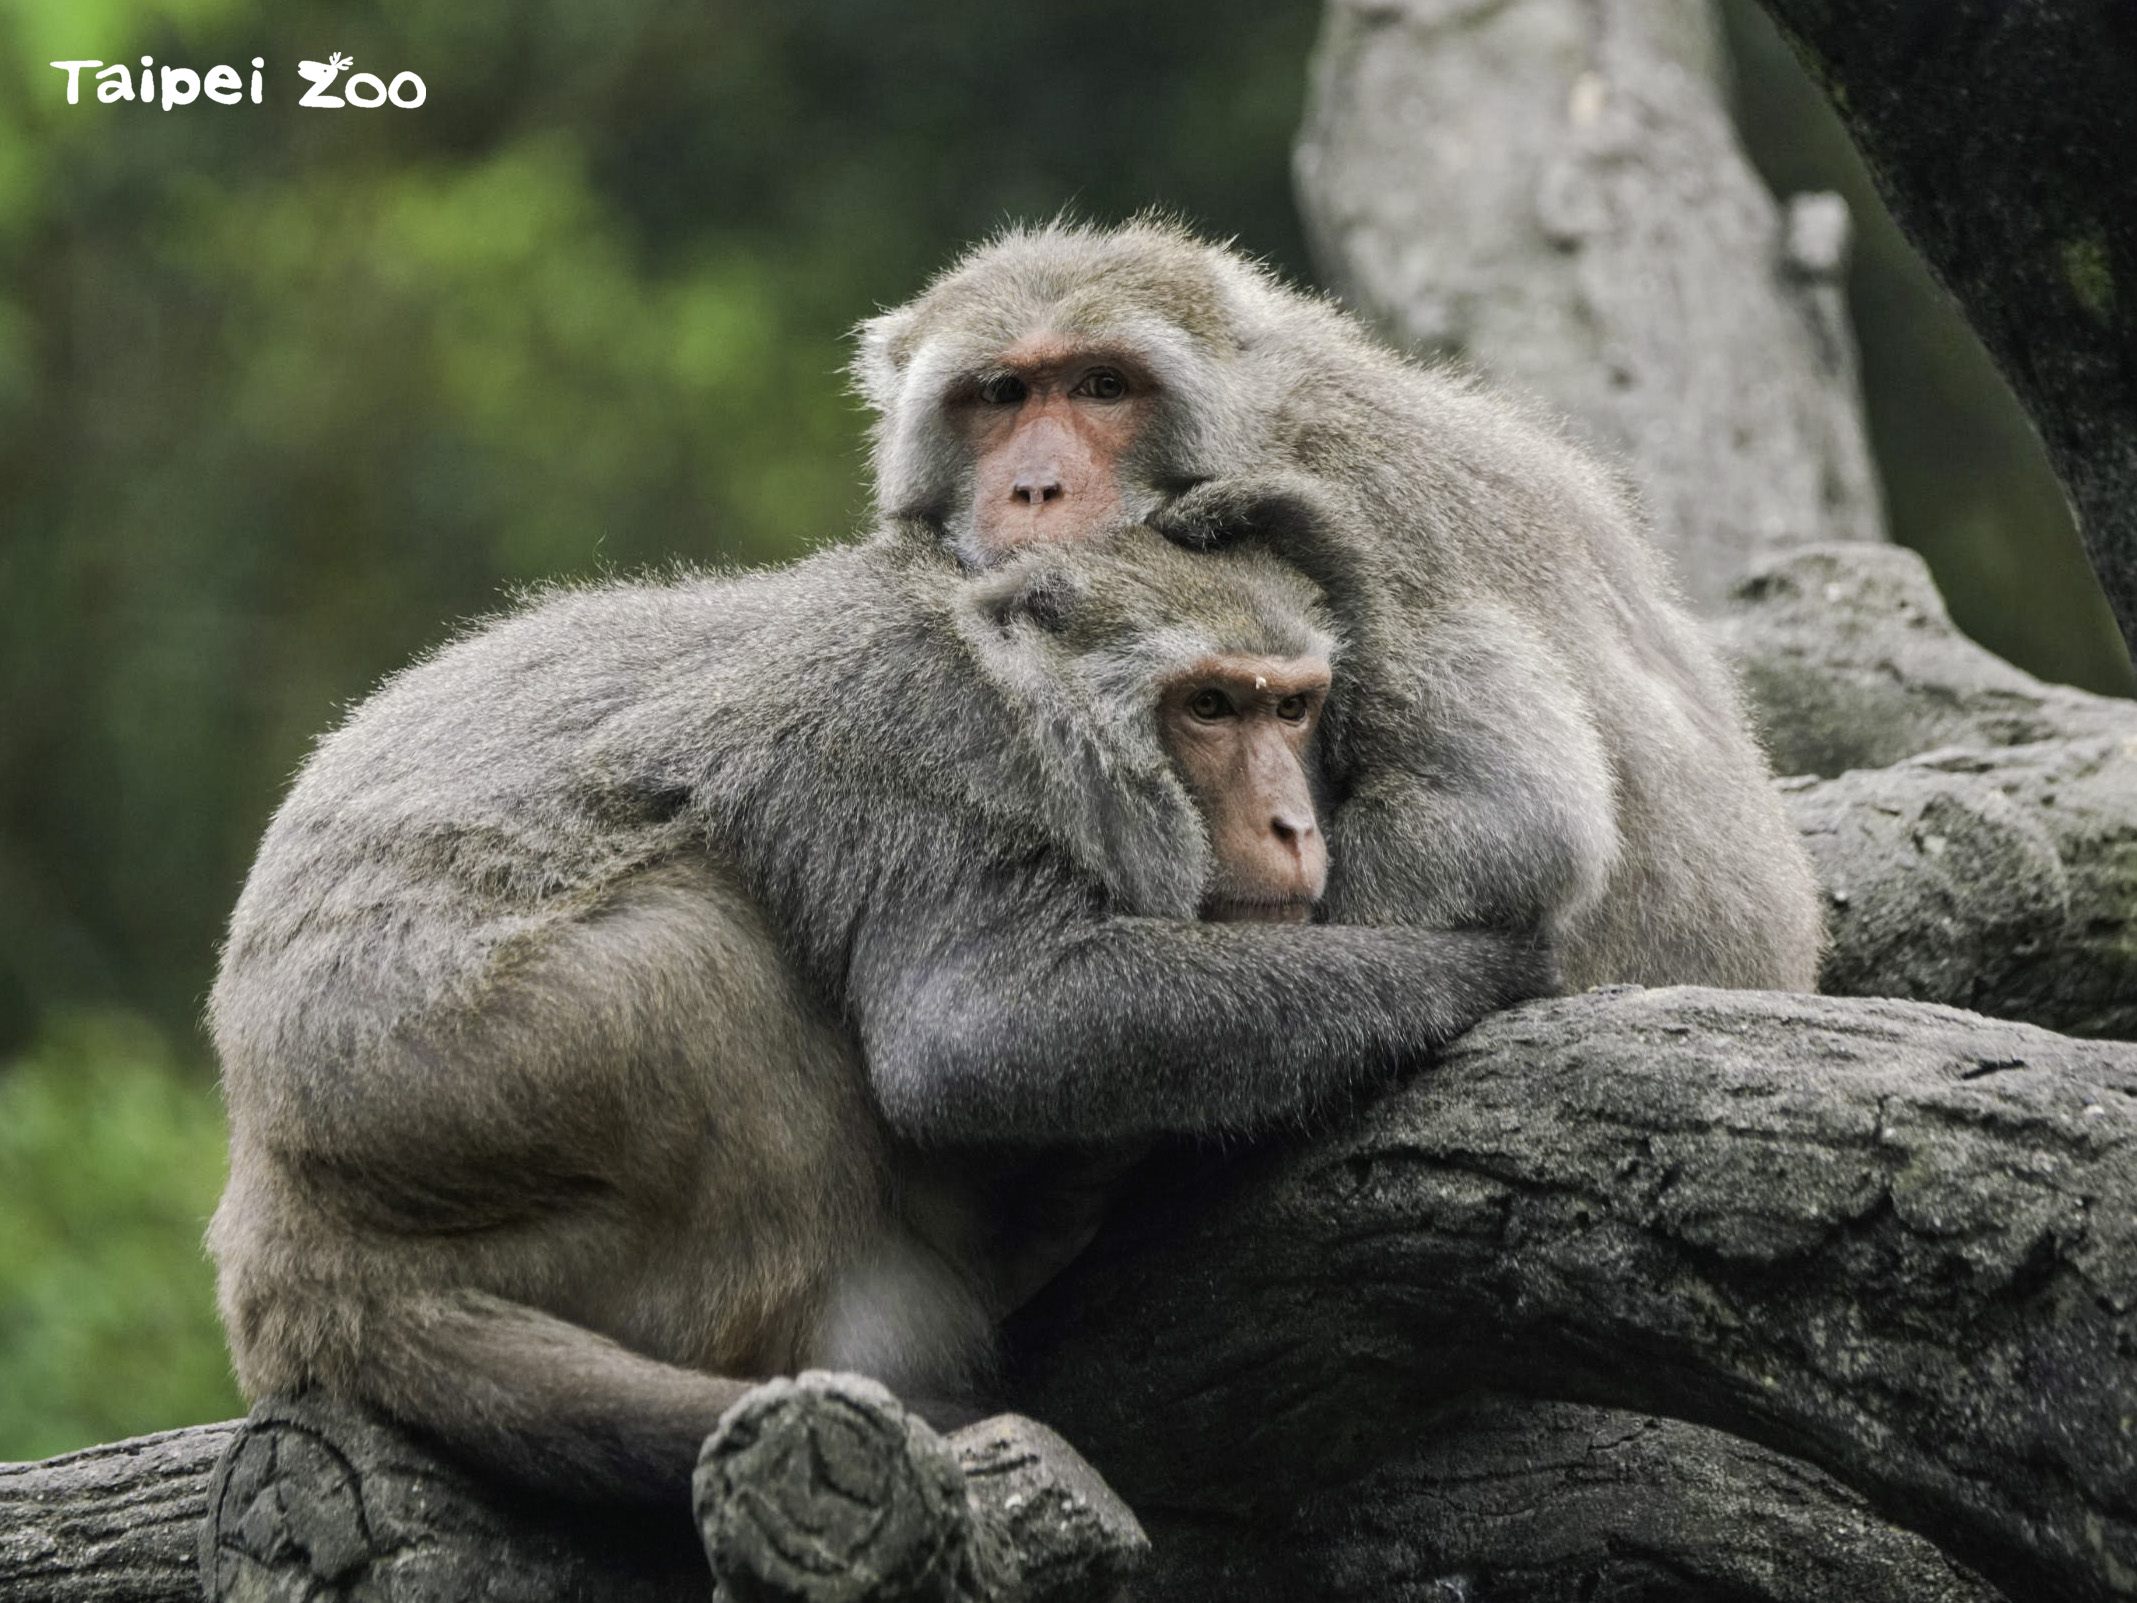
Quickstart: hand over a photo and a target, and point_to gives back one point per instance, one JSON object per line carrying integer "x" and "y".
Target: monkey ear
{"x": 881, "y": 350}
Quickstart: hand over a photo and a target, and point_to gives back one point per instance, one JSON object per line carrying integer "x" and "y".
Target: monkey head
{"x": 1062, "y": 381}
{"x": 1198, "y": 678}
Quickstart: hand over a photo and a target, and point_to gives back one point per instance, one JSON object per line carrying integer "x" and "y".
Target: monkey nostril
{"x": 1033, "y": 489}
{"x": 1291, "y": 831}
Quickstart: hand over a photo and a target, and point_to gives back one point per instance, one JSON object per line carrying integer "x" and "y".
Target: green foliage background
{"x": 285, "y": 392}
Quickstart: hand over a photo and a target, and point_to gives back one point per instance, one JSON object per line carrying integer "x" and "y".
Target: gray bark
{"x": 1896, "y": 1241}
{"x": 1973, "y": 827}
{"x": 1552, "y": 189}
{"x": 1851, "y": 662}
{"x": 821, "y": 1490}
{"x": 1526, "y": 1502}
{"x": 825, "y": 1490}
{"x": 2000, "y": 137}
{"x": 118, "y": 1523}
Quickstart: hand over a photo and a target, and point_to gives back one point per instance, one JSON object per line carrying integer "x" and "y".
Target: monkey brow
{"x": 1042, "y": 353}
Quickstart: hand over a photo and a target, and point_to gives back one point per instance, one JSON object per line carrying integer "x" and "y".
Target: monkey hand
{"x": 1481, "y": 972}
{"x": 1525, "y": 966}
{"x": 1286, "y": 510}
{"x": 1456, "y": 977}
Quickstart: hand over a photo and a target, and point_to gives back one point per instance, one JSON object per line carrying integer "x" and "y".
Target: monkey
{"x": 614, "y": 992}
{"x": 1529, "y": 731}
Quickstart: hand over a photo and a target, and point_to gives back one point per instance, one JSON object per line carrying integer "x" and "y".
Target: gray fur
{"x": 610, "y": 991}
{"x": 1529, "y": 730}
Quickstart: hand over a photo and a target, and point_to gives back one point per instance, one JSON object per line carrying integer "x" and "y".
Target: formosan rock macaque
{"x": 612, "y": 989}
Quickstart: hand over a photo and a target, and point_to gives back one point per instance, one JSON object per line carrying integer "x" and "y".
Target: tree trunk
{"x": 2000, "y": 137}
{"x": 1552, "y": 189}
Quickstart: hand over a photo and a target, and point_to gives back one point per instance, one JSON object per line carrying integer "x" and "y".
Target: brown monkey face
{"x": 1047, "y": 432}
{"x": 1241, "y": 731}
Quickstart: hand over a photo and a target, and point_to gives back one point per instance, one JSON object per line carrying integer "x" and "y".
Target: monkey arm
{"x": 1122, "y": 1028}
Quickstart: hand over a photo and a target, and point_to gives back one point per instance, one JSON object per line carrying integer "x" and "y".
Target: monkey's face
{"x": 1048, "y": 434}
{"x": 1060, "y": 384}
{"x": 1240, "y": 729}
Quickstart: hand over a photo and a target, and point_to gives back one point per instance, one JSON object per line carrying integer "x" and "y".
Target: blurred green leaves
{"x": 111, "y": 1158}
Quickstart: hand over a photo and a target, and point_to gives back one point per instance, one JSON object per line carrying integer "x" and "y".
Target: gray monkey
{"x": 1529, "y": 731}
{"x": 613, "y": 990}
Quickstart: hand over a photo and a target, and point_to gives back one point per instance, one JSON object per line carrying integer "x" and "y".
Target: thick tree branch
{"x": 118, "y": 1523}
{"x": 1897, "y": 1241}
{"x": 1852, "y": 662}
{"x": 2000, "y": 136}
{"x": 1993, "y": 865}
{"x": 820, "y": 1490}
{"x": 1523, "y": 1502}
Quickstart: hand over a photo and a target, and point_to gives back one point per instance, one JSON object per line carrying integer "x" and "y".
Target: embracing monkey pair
{"x": 1226, "y": 712}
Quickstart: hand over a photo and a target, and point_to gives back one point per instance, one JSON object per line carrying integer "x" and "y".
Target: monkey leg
{"x": 541, "y": 1213}
{"x": 555, "y": 1405}
{"x": 547, "y": 1224}
{"x": 558, "y": 1406}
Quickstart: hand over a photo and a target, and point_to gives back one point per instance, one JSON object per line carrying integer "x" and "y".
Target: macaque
{"x": 616, "y": 990}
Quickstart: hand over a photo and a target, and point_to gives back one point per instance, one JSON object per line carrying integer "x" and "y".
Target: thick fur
{"x": 609, "y": 988}
{"x": 1528, "y": 730}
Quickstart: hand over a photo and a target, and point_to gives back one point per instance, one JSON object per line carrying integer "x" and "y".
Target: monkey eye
{"x": 1101, "y": 384}
{"x": 1292, "y": 709}
{"x": 1209, "y": 705}
{"x": 1004, "y": 389}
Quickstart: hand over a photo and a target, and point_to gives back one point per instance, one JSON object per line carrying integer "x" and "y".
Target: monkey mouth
{"x": 1258, "y": 910}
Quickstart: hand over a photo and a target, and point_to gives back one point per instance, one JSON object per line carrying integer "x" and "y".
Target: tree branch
{"x": 1525, "y": 1502}
{"x": 119, "y": 1523}
{"x": 816, "y": 1490}
{"x": 1989, "y": 866}
{"x": 1894, "y": 1240}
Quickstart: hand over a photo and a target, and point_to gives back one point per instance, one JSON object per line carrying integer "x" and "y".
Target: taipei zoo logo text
{"x": 326, "y": 88}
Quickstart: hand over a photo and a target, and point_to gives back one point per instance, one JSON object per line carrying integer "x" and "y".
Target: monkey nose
{"x": 1302, "y": 853}
{"x": 1033, "y": 489}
